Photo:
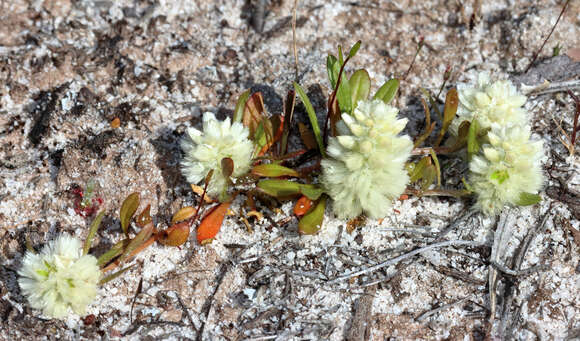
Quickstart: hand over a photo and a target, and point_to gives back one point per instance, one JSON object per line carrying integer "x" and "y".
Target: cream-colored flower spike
{"x": 60, "y": 278}
{"x": 365, "y": 169}
{"x": 498, "y": 102}
{"x": 205, "y": 150}
{"x": 507, "y": 167}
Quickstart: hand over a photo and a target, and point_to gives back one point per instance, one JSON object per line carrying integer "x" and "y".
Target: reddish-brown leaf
{"x": 212, "y": 222}
{"x": 144, "y": 217}
{"x": 254, "y": 112}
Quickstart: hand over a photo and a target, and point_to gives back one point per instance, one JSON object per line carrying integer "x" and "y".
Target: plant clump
{"x": 365, "y": 169}
{"x": 60, "y": 278}
{"x": 205, "y": 150}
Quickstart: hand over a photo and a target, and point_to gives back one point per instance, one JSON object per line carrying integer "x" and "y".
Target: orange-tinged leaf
{"x": 116, "y": 123}
{"x": 354, "y": 223}
{"x": 302, "y": 206}
{"x": 128, "y": 209}
{"x": 212, "y": 222}
{"x": 199, "y": 191}
{"x": 144, "y": 217}
{"x": 254, "y": 112}
{"x": 136, "y": 242}
{"x": 273, "y": 170}
{"x": 176, "y": 234}
{"x": 451, "y": 103}
{"x": 183, "y": 214}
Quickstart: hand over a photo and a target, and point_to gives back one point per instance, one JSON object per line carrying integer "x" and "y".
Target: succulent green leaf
{"x": 312, "y": 192}
{"x": 312, "y": 116}
{"x": 139, "y": 239}
{"x": 128, "y": 209}
{"x": 332, "y": 70}
{"x": 354, "y": 49}
{"x": 92, "y": 232}
{"x": 311, "y": 223}
{"x": 273, "y": 170}
{"x": 113, "y": 252}
{"x": 360, "y": 86}
{"x": 387, "y": 92}
{"x": 280, "y": 189}
{"x": 115, "y": 275}
{"x": 240, "y": 105}
{"x": 472, "y": 143}
{"x": 527, "y": 199}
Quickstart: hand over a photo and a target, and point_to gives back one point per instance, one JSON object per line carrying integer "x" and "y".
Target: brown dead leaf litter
{"x": 69, "y": 68}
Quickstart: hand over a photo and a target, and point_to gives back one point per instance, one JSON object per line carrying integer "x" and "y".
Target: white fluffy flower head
{"x": 506, "y": 167}
{"x": 498, "y": 102}
{"x": 205, "y": 150}
{"x": 365, "y": 171}
{"x": 59, "y": 278}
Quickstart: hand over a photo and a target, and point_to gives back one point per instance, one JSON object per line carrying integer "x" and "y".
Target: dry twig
{"x": 396, "y": 260}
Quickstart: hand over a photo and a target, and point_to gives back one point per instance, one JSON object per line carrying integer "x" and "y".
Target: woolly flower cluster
{"x": 59, "y": 278}
{"x": 205, "y": 150}
{"x": 488, "y": 103}
{"x": 365, "y": 171}
{"x": 507, "y": 167}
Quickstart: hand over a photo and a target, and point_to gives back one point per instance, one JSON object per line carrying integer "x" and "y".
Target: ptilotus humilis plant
{"x": 365, "y": 169}
{"x": 204, "y": 151}
{"x": 508, "y": 169}
{"x": 60, "y": 278}
{"x": 490, "y": 102}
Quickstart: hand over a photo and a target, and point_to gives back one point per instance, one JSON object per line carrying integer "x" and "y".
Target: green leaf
{"x": 416, "y": 171}
{"x": 280, "y": 189}
{"x": 240, "y": 105}
{"x": 451, "y": 103}
{"x": 312, "y": 192}
{"x": 472, "y": 144}
{"x": 354, "y": 49}
{"x": 273, "y": 170}
{"x": 527, "y": 199}
{"x": 428, "y": 177}
{"x": 360, "y": 86}
{"x": 387, "y": 92}
{"x": 113, "y": 252}
{"x": 332, "y": 70}
{"x": 128, "y": 209}
{"x": 311, "y": 116}
{"x": 115, "y": 275}
{"x": 437, "y": 167}
{"x": 340, "y": 58}
{"x": 92, "y": 232}
{"x": 312, "y": 220}
{"x": 344, "y": 95}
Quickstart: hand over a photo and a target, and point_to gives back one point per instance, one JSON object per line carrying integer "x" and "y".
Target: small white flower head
{"x": 488, "y": 103}
{"x": 365, "y": 169}
{"x": 205, "y": 150}
{"x": 506, "y": 167}
{"x": 59, "y": 278}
